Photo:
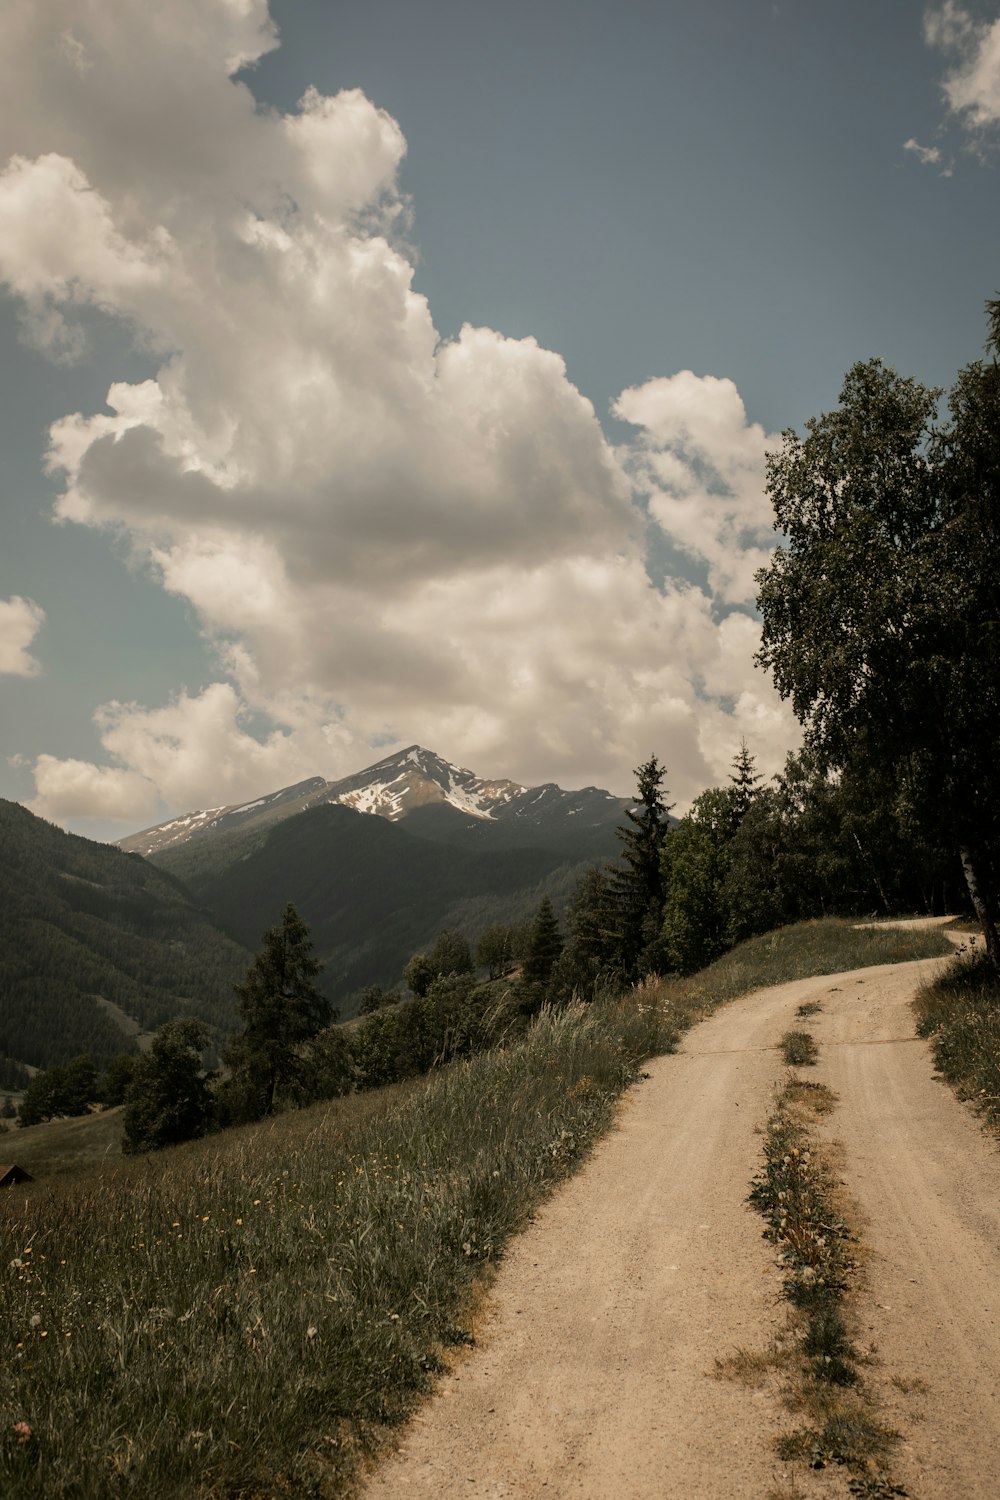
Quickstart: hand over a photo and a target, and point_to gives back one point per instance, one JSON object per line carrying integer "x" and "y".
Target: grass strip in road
{"x": 803, "y": 1206}
{"x": 799, "y": 1049}
{"x": 960, "y": 1013}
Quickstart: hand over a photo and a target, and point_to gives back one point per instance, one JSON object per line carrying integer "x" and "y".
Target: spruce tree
{"x": 744, "y": 783}
{"x": 637, "y": 884}
{"x": 545, "y": 945}
{"x": 281, "y": 1009}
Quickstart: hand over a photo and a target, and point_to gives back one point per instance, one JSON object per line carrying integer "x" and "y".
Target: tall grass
{"x": 960, "y": 1012}
{"x": 240, "y": 1317}
{"x": 243, "y": 1316}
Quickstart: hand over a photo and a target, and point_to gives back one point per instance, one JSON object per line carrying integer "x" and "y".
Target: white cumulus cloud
{"x": 972, "y": 86}
{"x": 385, "y": 535}
{"x": 701, "y": 463}
{"x": 20, "y": 621}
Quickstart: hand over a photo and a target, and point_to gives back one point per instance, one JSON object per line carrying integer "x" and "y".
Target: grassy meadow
{"x": 246, "y": 1315}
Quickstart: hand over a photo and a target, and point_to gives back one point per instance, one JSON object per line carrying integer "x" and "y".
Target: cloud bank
{"x": 385, "y": 536}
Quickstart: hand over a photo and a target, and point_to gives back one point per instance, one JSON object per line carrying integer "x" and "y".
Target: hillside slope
{"x": 372, "y": 892}
{"x": 89, "y": 932}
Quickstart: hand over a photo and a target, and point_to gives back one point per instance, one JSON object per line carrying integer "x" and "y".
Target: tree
{"x": 881, "y": 615}
{"x": 68, "y": 1090}
{"x": 637, "y": 885}
{"x": 744, "y": 783}
{"x": 373, "y": 997}
{"x": 495, "y": 949}
{"x": 449, "y": 955}
{"x": 696, "y": 861}
{"x": 545, "y": 945}
{"x": 281, "y": 1009}
{"x": 168, "y": 1099}
{"x": 117, "y": 1077}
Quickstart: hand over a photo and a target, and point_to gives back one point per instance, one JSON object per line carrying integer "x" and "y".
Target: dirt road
{"x": 593, "y": 1375}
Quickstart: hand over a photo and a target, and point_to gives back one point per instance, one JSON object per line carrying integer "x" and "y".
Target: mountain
{"x": 380, "y": 862}
{"x": 448, "y": 803}
{"x": 372, "y": 892}
{"x": 97, "y": 945}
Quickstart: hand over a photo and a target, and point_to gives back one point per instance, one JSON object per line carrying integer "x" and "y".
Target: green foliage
{"x": 68, "y": 1090}
{"x": 544, "y": 945}
{"x": 695, "y": 865}
{"x": 281, "y": 1008}
{"x": 899, "y": 675}
{"x": 586, "y": 965}
{"x": 168, "y": 1098}
{"x": 373, "y": 997}
{"x": 637, "y": 883}
{"x": 449, "y": 955}
{"x": 117, "y": 1077}
{"x": 495, "y": 948}
{"x": 634, "y": 888}
{"x": 328, "y": 1066}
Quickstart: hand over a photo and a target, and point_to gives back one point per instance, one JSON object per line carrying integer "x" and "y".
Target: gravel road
{"x": 593, "y": 1372}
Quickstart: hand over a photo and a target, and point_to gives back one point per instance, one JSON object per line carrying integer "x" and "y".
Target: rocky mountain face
{"x": 447, "y": 802}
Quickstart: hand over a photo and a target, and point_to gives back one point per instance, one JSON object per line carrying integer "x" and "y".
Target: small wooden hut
{"x": 11, "y": 1174}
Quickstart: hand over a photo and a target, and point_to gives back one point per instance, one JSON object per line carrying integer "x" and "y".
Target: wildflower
{"x": 23, "y": 1431}
{"x": 311, "y": 1331}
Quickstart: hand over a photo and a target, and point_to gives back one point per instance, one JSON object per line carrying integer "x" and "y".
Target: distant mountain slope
{"x": 87, "y": 929}
{"x": 372, "y": 892}
{"x": 450, "y": 803}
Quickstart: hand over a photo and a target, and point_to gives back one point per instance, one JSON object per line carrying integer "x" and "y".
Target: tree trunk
{"x": 982, "y": 900}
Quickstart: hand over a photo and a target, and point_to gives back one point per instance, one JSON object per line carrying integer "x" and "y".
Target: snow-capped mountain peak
{"x": 393, "y": 788}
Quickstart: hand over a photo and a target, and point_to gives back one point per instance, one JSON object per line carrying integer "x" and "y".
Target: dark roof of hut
{"x": 11, "y": 1173}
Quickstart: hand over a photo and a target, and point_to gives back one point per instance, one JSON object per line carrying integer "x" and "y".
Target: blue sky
{"x": 319, "y": 520}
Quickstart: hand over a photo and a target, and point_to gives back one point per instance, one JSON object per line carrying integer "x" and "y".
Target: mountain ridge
{"x": 394, "y": 788}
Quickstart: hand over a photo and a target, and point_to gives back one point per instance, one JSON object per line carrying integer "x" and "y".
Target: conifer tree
{"x": 545, "y": 945}
{"x": 637, "y": 884}
{"x": 281, "y": 1009}
{"x": 744, "y": 783}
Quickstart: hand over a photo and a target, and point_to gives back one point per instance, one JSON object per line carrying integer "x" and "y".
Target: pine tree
{"x": 744, "y": 783}
{"x": 637, "y": 884}
{"x": 545, "y": 945}
{"x": 281, "y": 1009}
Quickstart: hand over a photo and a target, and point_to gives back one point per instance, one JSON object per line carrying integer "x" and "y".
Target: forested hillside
{"x": 84, "y": 923}
{"x": 371, "y": 892}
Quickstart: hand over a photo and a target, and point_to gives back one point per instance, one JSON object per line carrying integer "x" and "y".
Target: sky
{"x": 391, "y": 373}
